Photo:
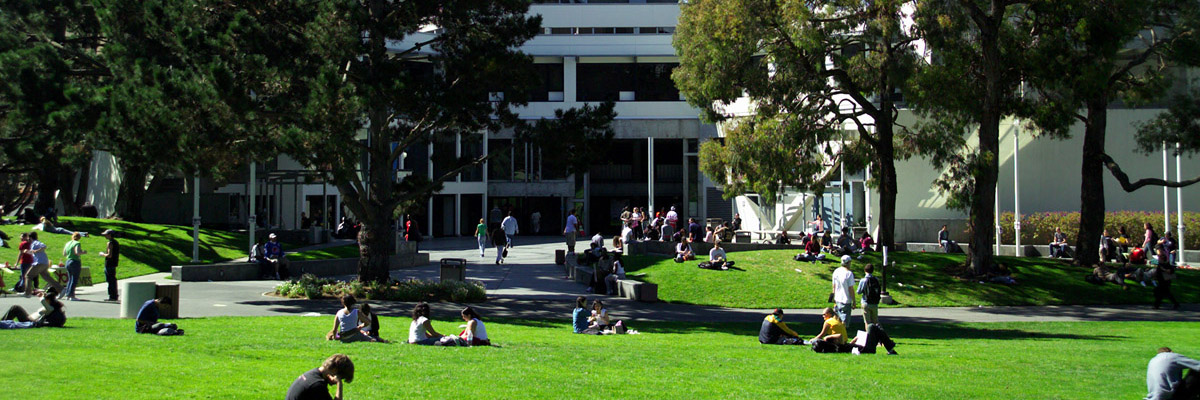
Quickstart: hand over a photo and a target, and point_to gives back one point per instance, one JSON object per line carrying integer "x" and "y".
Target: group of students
{"x": 818, "y": 243}
{"x": 354, "y": 323}
{"x": 500, "y": 236}
{"x": 833, "y": 332}
{"x": 269, "y": 257}
{"x": 1113, "y": 248}
{"x": 35, "y": 264}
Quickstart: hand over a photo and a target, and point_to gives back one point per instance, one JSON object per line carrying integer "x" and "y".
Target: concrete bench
{"x": 932, "y": 247}
{"x": 637, "y": 290}
{"x": 246, "y": 271}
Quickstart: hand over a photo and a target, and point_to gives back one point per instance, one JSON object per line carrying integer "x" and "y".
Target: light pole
{"x": 196, "y": 218}
{"x": 1179, "y": 204}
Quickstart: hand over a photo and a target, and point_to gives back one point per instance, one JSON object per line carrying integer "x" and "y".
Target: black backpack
{"x": 873, "y": 290}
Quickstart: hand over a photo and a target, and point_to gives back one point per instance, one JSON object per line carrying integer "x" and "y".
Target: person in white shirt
{"x": 420, "y": 331}
{"x": 843, "y": 290}
{"x": 618, "y": 273}
{"x": 510, "y": 228}
{"x": 570, "y": 230}
{"x": 598, "y": 239}
{"x": 717, "y": 257}
{"x": 673, "y": 219}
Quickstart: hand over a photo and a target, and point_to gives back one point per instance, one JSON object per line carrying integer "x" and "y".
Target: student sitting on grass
{"x": 683, "y": 251}
{"x": 1165, "y": 380}
{"x": 421, "y": 331}
{"x": 812, "y": 251}
{"x": 51, "y": 314}
{"x": 775, "y": 331}
{"x": 475, "y": 333}
{"x": 314, "y": 384}
{"x": 147, "y": 319}
{"x": 866, "y": 243}
{"x": 579, "y": 317}
{"x": 599, "y": 320}
{"x": 348, "y": 323}
{"x": 717, "y": 258}
{"x": 832, "y": 337}
{"x": 783, "y": 238}
{"x": 372, "y": 327}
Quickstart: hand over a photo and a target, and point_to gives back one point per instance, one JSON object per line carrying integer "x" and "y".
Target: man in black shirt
{"x": 775, "y": 331}
{"x": 111, "y": 257}
{"x": 313, "y": 385}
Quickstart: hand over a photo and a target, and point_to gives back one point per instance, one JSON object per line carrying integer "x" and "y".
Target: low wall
{"x": 926, "y": 230}
{"x": 244, "y": 271}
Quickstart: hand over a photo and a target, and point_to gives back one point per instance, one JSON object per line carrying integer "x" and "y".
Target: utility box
{"x": 454, "y": 269}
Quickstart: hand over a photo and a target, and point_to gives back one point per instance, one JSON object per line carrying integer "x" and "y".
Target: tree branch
{"x": 1132, "y": 186}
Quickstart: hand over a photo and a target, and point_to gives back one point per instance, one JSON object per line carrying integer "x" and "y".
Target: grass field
{"x": 255, "y": 358}
{"x": 767, "y": 279}
{"x": 347, "y": 251}
{"x": 145, "y": 248}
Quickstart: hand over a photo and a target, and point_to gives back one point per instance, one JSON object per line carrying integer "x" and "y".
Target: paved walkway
{"x": 529, "y": 286}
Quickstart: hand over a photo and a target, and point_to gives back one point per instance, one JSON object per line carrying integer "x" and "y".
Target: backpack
{"x": 873, "y": 290}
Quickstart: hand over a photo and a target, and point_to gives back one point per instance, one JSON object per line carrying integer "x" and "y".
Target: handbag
{"x": 505, "y": 253}
{"x": 830, "y": 297}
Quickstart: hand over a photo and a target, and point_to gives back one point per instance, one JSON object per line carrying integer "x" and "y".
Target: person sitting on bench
{"x": 944, "y": 241}
{"x": 783, "y": 238}
{"x": 147, "y": 319}
{"x": 775, "y": 331}
{"x": 618, "y": 273}
{"x": 1058, "y": 247}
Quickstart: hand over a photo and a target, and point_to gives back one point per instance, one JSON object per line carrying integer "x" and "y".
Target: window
{"x": 472, "y": 147}
{"x": 560, "y": 31}
{"x": 623, "y": 30}
{"x": 604, "y": 82}
{"x": 500, "y": 166}
{"x": 550, "y": 79}
{"x": 654, "y": 82}
{"x": 583, "y": 31}
{"x": 604, "y": 31}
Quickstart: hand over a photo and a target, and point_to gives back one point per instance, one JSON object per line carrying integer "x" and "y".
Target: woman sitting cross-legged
{"x": 51, "y": 314}
{"x": 372, "y": 322}
{"x": 832, "y": 338}
{"x": 348, "y": 323}
{"x": 473, "y": 334}
{"x": 421, "y": 331}
{"x": 599, "y": 320}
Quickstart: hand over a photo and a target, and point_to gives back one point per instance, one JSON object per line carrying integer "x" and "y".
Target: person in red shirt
{"x": 24, "y": 260}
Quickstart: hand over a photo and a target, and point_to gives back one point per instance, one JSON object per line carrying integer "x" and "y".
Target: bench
{"x": 637, "y": 290}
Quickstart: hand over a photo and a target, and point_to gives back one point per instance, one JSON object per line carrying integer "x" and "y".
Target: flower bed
{"x": 1038, "y": 228}
{"x": 312, "y": 287}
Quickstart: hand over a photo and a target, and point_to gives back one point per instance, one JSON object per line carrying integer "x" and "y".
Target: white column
{"x": 997, "y": 215}
{"x": 458, "y": 215}
{"x": 253, "y": 188}
{"x": 1166, "y": 195}
{"x": 1179, "y": 206}
{"x": 196, "y": 218}
{"x": 1017, "y": 190}
{"x": 841, "y": 190}
{"x": 650, "y": 175}
{"x": 866, "y": 197}
{"x": 569, "y": 79}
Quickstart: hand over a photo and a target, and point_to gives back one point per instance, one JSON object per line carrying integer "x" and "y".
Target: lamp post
{"x": 196, "y": 218}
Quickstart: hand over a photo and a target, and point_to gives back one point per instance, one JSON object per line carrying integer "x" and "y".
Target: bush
{"x": 1038, "y": 228}
{"x": 311, "y": 287}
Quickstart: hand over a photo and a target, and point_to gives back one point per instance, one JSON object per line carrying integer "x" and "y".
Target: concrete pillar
{"x": 569, "y": 78}
{"x": 650, "y": 175}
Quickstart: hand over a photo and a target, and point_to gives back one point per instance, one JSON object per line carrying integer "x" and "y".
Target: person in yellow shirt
{"x": 832, "y": 338}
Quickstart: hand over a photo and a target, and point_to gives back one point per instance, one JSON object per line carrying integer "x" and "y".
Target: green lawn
{"x": 768, "y": 279}
{"x": 256, "y": 358}
{"x": 347, "y": 251}
{"x": 145, "y": 248}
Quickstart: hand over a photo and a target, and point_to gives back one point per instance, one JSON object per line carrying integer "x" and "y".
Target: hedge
{"x": 309, "y": 286}
{"x": 1038, "y": 228}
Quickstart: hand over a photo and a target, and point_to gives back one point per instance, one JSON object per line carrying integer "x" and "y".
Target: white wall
{"x": 104, "y": 179}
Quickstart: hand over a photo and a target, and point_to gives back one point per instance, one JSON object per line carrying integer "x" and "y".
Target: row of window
{"x": 606, "y": 1}
{"x": 626, "y": 30}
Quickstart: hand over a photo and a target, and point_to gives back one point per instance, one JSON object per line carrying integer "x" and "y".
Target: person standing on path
{"x": 24, "y": 260}
{"x": 72, "y": 252}
{"x": 843, "y": 290}
{"x": 571, "y": 230}
{"x": 535, "y": 221}
{"x": 871, "y": 291}
{"x": 481, "y": 236}
{"x": 509, "y": 224}
{"x": 1164, "y": 376}
{"x": 500, "y": 240}
{"x": 41, "y": 266}
{"x": 112, "y": 256}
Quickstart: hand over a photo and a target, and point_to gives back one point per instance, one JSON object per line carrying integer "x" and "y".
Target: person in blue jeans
{"x": 147, "y": 319}
{"x": 72, "y": 251}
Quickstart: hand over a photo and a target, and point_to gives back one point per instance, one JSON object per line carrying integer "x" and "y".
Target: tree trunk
{"x": 983, "y": 198}
{"x": 47, "y": 180}
{"x": 131, "y": 193}
{"x": 1091, "y": 190}
{"x": 887, "y": 186}
{"x": 375, "y": 244}
{"x": 66, "y": 192}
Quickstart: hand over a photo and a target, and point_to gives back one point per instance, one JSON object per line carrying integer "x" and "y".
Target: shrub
{"x": 1038, "y": 228}
{"x": 311, "y": 287}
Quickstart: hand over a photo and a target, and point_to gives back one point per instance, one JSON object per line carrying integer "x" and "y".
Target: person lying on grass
{"x": 147, "y": 319}
{"x": 775, "y": 331}
{"x": 420, "y": 331}
{"x": 1101, "y": 274}
{"x": 348, "y": 323}
{"x": 314, "y": 384}
{"x": 51, "y": 314}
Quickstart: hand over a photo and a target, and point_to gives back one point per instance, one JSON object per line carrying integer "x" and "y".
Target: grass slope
{"x": 768, "y": 279}
{"x": 255, "y": 358}
{"x": 347, "y": 251}
{"x": 145, "y": 248}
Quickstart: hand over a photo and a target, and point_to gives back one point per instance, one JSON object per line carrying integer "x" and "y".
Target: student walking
{"x": 481, "y": 236}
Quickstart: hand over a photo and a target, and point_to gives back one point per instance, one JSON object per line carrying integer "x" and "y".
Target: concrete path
{"x": 529, "y": 286}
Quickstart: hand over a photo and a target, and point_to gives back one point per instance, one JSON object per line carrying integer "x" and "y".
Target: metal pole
{"x": 1179, "y": 205}
{"x": 1017, "y": 190}
{"x": 841, "y": 190}
{"x": 1166, "y": 195}
{"x": 196, "y": 218}
{"x": 866, "y": 197}
{"x": 650, "y": 175}
{"x": 253, "y": 220}
{"x": 997, "y": 215}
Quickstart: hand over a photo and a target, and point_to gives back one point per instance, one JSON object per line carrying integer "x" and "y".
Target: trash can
{"x": 170, "y": 290}
{"x": 454, "y": 269}
{"x": 133, "y": 295}
{"x": 560, "y": 257}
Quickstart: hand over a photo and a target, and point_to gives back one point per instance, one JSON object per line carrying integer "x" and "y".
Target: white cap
{"x": 271, "y": 236}
{"x": 845, "y": 260}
